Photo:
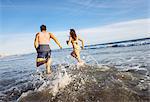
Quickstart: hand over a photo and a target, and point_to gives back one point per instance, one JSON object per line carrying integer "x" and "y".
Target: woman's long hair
{"x": 73, "y": 34}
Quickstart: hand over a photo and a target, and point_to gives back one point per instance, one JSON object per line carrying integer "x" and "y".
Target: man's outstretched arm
{"x": 36, "y": 41}
{"x": 55, "y": 39}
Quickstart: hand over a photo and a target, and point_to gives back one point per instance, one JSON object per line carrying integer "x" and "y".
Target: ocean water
{"x": 111, "y": 74}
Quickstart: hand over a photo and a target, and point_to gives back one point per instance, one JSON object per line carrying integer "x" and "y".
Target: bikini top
{"x": 75, "y": 41}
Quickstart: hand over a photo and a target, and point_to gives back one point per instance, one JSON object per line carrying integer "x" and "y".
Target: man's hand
{"x": 60, "y": 47}
{"x": 36, "y": 48}
{"x": 36, "y": 44}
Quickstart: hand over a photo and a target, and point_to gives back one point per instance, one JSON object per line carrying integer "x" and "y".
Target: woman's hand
{"x": 67, "y": 41}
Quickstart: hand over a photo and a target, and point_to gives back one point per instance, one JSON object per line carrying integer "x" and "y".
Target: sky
{"x": 96, "y": 21}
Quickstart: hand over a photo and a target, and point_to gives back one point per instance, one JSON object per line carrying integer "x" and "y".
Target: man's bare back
{"x": 42, "y": 47}
{"x": 43, "y": 37}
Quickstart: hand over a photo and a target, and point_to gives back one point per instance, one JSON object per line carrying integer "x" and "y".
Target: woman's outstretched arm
{"x": 81, "y": 41}
{"x": 69, "y": 42}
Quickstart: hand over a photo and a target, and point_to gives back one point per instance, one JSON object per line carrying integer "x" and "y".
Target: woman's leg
{"x": 77, "y": 53}
{"x": 73, "y": 54}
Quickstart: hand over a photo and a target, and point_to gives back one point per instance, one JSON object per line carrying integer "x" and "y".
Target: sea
{"x": 113, "y": 72}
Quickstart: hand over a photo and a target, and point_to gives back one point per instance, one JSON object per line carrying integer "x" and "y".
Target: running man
{"x": 76, "y": 48}
{"x": 41, "y": 44}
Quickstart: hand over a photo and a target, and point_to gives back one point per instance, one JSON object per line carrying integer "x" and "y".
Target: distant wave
{"x": 127, "y": 43}
{"x": 2, "y": 55}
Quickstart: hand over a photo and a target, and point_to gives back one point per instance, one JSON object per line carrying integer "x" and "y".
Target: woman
{"x": 73, "y": 38}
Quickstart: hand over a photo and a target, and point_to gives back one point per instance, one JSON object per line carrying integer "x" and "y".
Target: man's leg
{"x": 48, "y": 66}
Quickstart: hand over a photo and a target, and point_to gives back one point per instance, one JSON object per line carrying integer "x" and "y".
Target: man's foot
{"x": 48, "y": 72}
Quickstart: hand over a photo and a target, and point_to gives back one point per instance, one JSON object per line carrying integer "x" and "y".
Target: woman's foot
{"x": 81, "y": 63}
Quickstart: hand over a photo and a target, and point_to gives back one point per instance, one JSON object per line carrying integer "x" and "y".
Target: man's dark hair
{"x": 43, "y": 27}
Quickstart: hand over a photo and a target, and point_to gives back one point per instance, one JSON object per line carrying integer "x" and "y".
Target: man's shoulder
{"x": 50, "y": 33}
{"x": 41, "y": 32}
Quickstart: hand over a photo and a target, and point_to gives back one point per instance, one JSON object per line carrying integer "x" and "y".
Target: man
{"x": 41, "y": 44}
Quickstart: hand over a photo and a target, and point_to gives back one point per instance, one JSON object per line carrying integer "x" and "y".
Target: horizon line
{"x": 122, "y": 41}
